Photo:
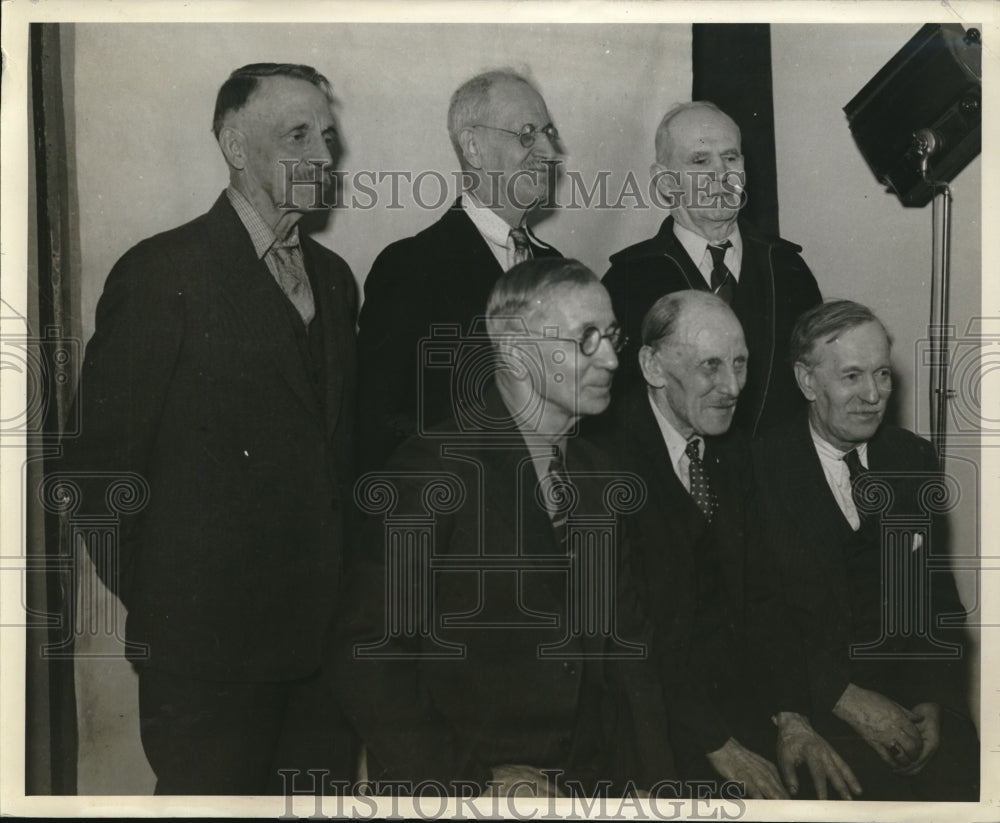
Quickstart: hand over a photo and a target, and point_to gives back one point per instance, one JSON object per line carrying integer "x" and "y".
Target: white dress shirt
{"x": 494, "y": 229}
{"x": 838, "y": 476}
{"x": 676, "y": 445}
{"x": 697, "y": 248}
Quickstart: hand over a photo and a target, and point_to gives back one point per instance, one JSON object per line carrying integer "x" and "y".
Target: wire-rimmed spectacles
{"x": 528, "y": 134}
{"x": 590, "y": 341}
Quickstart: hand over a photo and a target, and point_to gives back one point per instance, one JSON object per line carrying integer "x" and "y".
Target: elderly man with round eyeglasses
{"x": 501, "y": 654}
{"x": 439, "y": 280}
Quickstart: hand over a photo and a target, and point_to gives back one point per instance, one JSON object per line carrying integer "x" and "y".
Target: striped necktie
{"x": 522, "y": 246}
{"x": 723, "y": 283}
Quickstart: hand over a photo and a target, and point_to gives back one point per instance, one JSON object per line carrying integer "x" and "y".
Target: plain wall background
{"x": 142, "y": 102}
{"x": 147, "y": 161}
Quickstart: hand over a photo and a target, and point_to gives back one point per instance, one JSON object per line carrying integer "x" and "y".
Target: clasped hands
{"x": 904, "y": 738}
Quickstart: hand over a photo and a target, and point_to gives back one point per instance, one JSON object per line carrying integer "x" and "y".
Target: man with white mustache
{"x": 508, "y": 149}
{"x": 695, "y": 545}
{"x": 703, "y": 244}
{"x": 885, "y": 691}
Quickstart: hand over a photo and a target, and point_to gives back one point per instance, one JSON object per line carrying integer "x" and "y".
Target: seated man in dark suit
{"x": 836, "y": 488}
{"x": 704, "y": 244}
{"x": 506, "y": 145}
{"x": 462, "y": 657}
{"x": 696, "y": 545}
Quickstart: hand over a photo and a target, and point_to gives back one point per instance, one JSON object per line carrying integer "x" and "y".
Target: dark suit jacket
{"x": 456, "y": 714}
{"x": 702, "y": 580}
{"x": 775, "y": 287}
{"x": 808, "y": 532}
{"x": 441, "y": 276}
{"x": 196, "y": 380}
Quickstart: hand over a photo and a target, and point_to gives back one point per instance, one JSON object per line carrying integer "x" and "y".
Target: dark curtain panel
{"x": 732, "y": 68}
{"x": 50, "y": 733}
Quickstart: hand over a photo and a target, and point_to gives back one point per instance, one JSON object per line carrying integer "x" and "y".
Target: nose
{"x": 547, "y": 147}
{"x": 320, "y": 150}
{"x": 606, "y": 356}
{"x": 870, "y": 390}
{"x": 728, "y": 382}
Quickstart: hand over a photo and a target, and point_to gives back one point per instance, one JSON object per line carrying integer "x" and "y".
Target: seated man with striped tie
{"x": 480, "y": 624}
{"x": 852, "y": 507}
{"x": 508, "y": 150}
{"x": 704, "y": 244}
{"x": 729, "y": 682}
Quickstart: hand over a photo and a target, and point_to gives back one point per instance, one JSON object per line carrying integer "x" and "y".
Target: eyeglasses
{"x": 528, "y": 134}
{"x": 590, "y": 341}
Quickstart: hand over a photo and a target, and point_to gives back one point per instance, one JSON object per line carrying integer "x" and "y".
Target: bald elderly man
{"x": 705, "y": 245}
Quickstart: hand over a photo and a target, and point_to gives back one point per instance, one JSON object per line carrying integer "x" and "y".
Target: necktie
{"x": 291, "y": 276}
{"x": 723, "y": 283}
{"x": 560, "y": 495}
{"x": 522, "y": 246}
{"x": 701, "y": 489}
{"x": 855, "y": 469}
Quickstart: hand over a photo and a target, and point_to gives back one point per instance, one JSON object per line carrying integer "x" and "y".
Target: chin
{"x": 717, "y": 423}
{"x": 530, "y": 195}
{"x": 595, "y": 405}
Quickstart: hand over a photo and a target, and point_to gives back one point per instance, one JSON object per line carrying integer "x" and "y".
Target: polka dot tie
{"x": 701, "y": 489}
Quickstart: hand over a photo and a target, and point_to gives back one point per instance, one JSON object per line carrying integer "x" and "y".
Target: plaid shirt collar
{"x": 261, "y": 235}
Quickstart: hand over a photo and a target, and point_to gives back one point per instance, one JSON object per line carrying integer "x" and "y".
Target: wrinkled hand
{"x": 798, "y": 743}
{"x": 929, "y": 726}
{"x": 884, "y": 725}
{"x": 759, "y": 776}
{"x": 521, "y": 781}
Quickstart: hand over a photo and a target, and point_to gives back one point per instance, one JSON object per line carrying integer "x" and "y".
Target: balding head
{"x": 662, "y": 141}
{"x": 699, "y": 169}
{"x": 694, "y": 360}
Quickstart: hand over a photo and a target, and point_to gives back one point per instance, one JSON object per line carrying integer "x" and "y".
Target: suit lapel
{"x": 754, "y": 305}
{"x": 810, "y": 501}
{"x": 468, "y": 281}
{"x": 331, "y": 315}
{"x": 729, "y": 525}
{"x": 666, "y": 492}
{"x": 672, "y": 248}
{"x": 256, "y": 297}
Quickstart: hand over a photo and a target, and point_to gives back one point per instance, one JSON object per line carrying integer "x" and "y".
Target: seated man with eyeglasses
{"x": 489, "y": 608}
{"x": 508, "y": 150}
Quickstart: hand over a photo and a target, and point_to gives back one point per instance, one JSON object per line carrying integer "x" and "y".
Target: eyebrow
{"x": 858, "y": 367}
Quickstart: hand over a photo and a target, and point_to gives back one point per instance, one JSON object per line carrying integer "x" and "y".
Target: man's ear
{"x": 806, "y": 380}
{"x": 652, "y": 368}
{"x": 509, "y": 355}
{"x": 470, "y": 148}
{"x": 234, "y": 147}
{"x": 666, "y": 181}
